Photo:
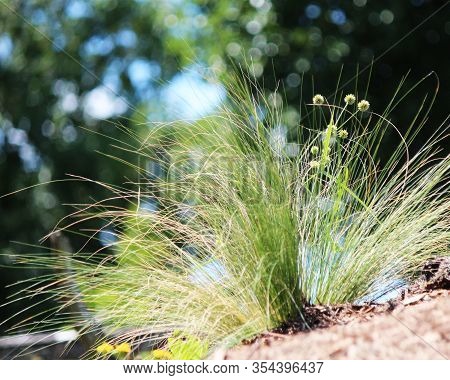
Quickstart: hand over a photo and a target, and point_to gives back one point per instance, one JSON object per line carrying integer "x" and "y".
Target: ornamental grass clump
{"x": 245, "y": 227}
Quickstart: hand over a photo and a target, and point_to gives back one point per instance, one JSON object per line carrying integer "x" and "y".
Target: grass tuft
{"x": 236, "y": 225}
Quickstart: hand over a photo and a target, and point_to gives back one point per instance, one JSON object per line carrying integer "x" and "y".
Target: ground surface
{"x": 420, "y": 331}
{"x": 414, "y": 326}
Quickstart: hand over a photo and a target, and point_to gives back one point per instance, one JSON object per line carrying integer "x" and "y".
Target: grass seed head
{"x": 363, "y": 105}
{"x": 314, "y": 149}
{"x": 350, "y": 99}
{"x": 318, "y": 99}
{"x": 343, "y": 134}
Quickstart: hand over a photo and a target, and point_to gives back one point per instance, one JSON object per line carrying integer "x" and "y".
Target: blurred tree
{"x": 65, "y": 64}
{"x": 288, "y": 39}
{"x": 71, "y": 63}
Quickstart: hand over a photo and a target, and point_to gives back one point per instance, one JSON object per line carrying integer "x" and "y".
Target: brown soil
{"x": 414, "y": 326}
